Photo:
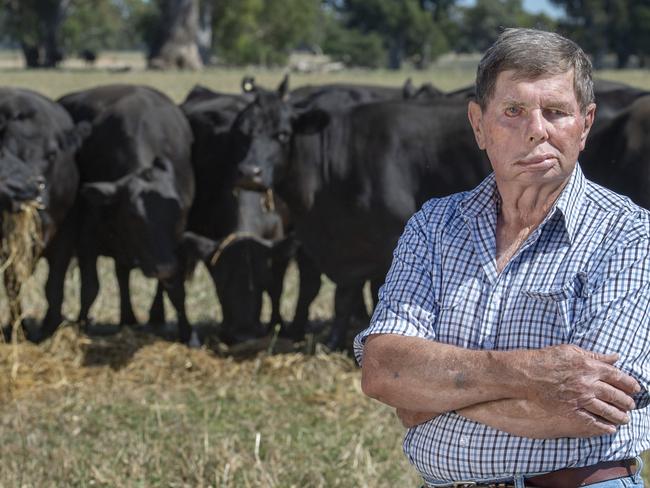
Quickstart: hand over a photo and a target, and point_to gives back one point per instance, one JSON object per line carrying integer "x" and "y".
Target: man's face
{"x": 532, "y": 130}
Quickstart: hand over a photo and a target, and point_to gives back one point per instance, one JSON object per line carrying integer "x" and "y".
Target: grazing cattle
{"x": 250, "y": 254}
{"x": 352, "y": 178}
{"x": 38, "y": 140}
{"x": 137, "y": 188}
{"x": 617, "y": 153}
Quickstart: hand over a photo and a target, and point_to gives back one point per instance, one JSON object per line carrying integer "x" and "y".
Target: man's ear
{"x": 475, "y": 115}
{"x": 589, "y": 122}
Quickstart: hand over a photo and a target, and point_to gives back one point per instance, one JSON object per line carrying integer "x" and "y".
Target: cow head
{"x": 145, "y": 212}
{"x": 31, "y": 152}
{"x": 19, "y": 183}
{"x": 262, "y": 135}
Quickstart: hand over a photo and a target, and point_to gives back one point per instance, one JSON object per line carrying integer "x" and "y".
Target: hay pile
{"x": 20, "y": 247}
{"x": 71, "y": 359}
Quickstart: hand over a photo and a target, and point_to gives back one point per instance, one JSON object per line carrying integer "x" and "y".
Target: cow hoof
{"x": 6, "y": 333}
{"x": 295, "y": 334}
{"x": 194, "y": 342}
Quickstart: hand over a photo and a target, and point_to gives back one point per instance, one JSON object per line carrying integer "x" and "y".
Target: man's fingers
{"x": 606, "y": 358}
{"x": 620, "y": 380}
{"x": 594, "y": 425}
{"x": 609, "y": 394}
{"x": 607, "y": 412}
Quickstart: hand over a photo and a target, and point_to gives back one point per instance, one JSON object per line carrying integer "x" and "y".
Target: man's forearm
{"x": 425, "y": 376}
{"x": 422, "y": 375}
{"x": 525, "y": 419}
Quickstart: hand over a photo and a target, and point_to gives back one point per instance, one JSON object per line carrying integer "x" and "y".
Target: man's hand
{"x": 569, "y": 381}
{"x": 410, "y": 418}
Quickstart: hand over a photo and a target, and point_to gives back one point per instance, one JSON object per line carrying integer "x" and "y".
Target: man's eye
{"x": 513, "y": 111}
{"x": 556, "y": 112}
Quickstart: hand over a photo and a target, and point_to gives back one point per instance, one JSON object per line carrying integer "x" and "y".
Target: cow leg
{"x": 89, "y": 286}
{"x": 278, "y": 270}
{"x": 12, "y": 289}
{"x": 175, "y": 288}
{"x": 344, "y": 302}
{"x": 59, "y": 254}
{"x": 309, "y": 288}
{"x": 127, "y": 317}
{"x": 359, "y": 310}
{"x": 157, "y": 309}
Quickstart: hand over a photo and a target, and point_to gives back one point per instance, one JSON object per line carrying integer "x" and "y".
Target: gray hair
{"x": 532, "y": 53}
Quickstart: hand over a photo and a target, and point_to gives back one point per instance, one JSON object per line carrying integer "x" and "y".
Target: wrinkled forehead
{"x": 514, "y": 85}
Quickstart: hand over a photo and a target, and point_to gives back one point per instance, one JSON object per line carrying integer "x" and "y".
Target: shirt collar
{"x": 485, "y": 198}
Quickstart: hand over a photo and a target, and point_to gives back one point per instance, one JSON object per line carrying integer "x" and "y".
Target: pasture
{"x": 135, "y": 410}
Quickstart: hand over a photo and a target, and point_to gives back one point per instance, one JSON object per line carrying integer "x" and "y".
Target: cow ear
{"x": 102, "y": 193}
{"x": 194, "y": 246}
{"x": 72, "y": 139}
{"x": 248, "y": 84}
{"x": 408, "y": 90}
{"x": 283, "y": 88}
{"x": 311, "y": 122}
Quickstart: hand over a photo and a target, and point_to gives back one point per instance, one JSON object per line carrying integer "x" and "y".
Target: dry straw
{"x": 20, "y": 247}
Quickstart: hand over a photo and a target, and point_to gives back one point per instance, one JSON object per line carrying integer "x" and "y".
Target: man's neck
{"x": 521, "y": 211}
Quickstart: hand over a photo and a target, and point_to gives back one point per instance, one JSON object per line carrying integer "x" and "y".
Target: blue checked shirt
{"x": 582, "y": 277}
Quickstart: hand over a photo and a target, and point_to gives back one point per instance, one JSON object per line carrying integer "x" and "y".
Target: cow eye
{"x": 283, "y": 137}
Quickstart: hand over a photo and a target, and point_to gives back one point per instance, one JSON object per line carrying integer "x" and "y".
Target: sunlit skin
{"x": 533, "y": 131}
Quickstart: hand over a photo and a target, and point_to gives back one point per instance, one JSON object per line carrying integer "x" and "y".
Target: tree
{"x": 263, "y": 31}
{"x": 175, "y": 45}
{"x": 601, "y": 26}
{"x": 482, "y": 23}
{"x": 406, "y": 26}
{"x": 36, "y": 25}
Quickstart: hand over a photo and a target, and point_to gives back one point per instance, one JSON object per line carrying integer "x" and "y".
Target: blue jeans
{"x": 635, "y": 481}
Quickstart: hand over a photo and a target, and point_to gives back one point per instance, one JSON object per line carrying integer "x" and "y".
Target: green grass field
{"x": 133, "y": 410}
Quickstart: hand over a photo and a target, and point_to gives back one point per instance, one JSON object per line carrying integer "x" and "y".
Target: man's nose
{"x": 537, "y": 128}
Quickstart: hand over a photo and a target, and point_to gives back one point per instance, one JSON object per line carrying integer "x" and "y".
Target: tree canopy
{"x": 371, "y": 33}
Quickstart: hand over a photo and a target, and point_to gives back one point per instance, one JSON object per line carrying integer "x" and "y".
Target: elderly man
{"x": 511, "y": 333}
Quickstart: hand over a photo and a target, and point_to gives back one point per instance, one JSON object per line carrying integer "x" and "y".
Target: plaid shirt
{"x": 582, "y": 277}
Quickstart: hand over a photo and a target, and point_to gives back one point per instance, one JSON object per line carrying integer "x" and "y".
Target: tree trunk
{"x": 177, "y": 46}
{"x": 396, "y": 52}
{"x": 204, "y": 34}
{"x": 47, "y": 52}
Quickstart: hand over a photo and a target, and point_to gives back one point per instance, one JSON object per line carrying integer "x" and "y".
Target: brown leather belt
{"x": 575, "y": 477}
{"x": 568, "y": 477}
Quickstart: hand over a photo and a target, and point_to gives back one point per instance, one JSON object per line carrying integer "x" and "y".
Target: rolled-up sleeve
{"x": 406, "y": 304}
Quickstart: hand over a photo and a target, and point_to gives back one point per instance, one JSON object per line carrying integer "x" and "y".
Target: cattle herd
{"x": 325, "y": 175}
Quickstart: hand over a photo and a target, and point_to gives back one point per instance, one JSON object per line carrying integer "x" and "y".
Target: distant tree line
{"x": 370, "y": 33}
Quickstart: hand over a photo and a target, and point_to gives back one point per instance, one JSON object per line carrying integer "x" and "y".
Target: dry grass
{"x": 134, "y": 410}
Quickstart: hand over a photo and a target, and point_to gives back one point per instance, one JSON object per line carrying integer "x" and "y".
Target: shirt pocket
{"x": 565, "y": 302}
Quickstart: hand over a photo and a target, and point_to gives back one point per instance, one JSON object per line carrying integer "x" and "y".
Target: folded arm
{"x": 498, "y": 388}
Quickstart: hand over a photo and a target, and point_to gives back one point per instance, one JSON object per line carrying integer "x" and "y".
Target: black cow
{"x": 353, "y": 177}
{"x": 137, "y": 188}
{"x": 243, "y": 233}
{"x": 333, "y": 98}
{"x": 617, "y": 153}
{"x": 38, "y": 140}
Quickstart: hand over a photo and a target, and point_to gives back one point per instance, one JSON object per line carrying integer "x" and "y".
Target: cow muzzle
{"x": 250, "y": 177}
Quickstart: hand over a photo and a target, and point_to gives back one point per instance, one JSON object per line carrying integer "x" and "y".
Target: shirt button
{"x": 463, "y": 441}
{"x": 488, "y": 344}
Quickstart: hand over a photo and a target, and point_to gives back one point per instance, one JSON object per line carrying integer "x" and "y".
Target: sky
{"x": 545, "y": 6}
{"x": 532, "y": 6}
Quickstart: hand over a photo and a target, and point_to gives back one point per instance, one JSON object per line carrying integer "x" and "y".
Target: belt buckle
{"x": 463, "y": 484}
